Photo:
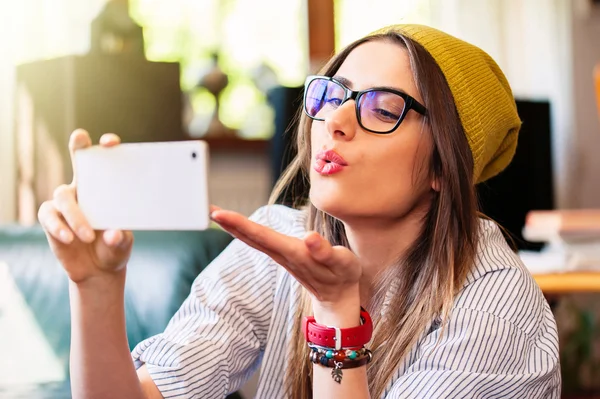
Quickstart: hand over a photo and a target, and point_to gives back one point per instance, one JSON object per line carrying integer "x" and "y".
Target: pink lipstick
{"x": 329, "y": 162}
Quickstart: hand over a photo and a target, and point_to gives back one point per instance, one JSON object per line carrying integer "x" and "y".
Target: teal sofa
{"x": 162, "y": 268}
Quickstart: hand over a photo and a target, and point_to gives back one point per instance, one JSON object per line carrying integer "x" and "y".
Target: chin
{"x": 335, "y": 196}
{"x": 336, "y": 204}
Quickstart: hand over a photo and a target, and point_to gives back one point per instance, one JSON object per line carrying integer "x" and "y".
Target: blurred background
{"x": 230, "y": 72}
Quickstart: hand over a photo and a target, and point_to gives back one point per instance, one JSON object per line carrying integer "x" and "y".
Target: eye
{"x": 334, "y": 101}
{"x": 386, "y": 115}
{"x": 382, "y": 106}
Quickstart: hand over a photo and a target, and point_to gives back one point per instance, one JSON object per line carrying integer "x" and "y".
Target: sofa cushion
{"x": 161, "y": 270}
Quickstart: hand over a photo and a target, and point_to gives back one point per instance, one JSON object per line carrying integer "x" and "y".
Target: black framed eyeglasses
{"x": 378, "y": 110}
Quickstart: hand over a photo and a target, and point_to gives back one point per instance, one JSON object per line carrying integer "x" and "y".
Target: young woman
{"x": 412, "y": 293}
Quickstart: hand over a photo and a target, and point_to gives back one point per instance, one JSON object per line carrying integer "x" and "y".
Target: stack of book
{"x": 572, "y": 237}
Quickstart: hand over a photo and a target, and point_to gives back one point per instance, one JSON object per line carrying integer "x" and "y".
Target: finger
{"x": 248, "y": 240}
{"x": 324, "y": 253}
{"x": 267, "y": 238}
{"x": 79, "y": 139}
{"x": 214, "y": 208}
{"x": 304, "y": 275}
{"x": 109, "y": 140}
{"x": 319, "y": 248}
{"x": 117, "y": 238}
{"x": 114, "y": 247}
{"x": 53, "y": 224}
{"x": 112, "y": 238}
{"x": 65, "y": 203}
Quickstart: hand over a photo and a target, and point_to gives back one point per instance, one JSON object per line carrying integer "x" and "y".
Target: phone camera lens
{"x": 194, "y": 155}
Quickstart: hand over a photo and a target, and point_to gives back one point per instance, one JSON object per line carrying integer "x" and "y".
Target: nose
{"x": 342, "y": 122}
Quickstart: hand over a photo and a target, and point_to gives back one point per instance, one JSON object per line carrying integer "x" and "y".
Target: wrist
{"x": 97, "y": 277}
{"x": 343, "y": 313}
{"x": 337, "y": 333}
{"x": 92, "y": 275}
{"x": 105, "y": 285}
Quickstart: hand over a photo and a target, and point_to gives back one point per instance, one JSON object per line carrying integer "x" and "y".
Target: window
{"x": 245, "y": 35}
{"x": 356, "y": 18}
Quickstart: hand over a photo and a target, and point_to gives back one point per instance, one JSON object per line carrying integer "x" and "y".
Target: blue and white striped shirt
{"x": 500, "y": 342}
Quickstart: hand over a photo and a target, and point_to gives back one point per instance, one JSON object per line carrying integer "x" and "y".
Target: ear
{"x": 435, "y": 184}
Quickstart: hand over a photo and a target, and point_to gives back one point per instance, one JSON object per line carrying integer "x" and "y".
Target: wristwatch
{"x": 338, "y": 338}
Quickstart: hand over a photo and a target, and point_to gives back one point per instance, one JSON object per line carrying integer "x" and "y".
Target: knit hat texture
{"x": 482, "y": 95}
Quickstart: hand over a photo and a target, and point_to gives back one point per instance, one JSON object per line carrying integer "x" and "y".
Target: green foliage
{"x": 580, "y": 365}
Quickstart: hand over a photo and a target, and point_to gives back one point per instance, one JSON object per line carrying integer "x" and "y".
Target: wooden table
{"x": 571, "y": 282}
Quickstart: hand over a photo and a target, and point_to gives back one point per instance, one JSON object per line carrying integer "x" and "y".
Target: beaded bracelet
{"x": 339, "y": 355}
{"x": 337, "y": 365}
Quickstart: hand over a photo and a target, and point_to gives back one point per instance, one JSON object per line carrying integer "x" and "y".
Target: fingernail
{"x": 66, "y": 236}
{"x": 314, "y": 243}
{"x": 87, "y": 234}
{"x": 119, "y": 237}
{"x": 125, "y": 241}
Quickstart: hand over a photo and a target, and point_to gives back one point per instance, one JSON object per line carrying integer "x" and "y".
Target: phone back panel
{"x": 144, "y": 186}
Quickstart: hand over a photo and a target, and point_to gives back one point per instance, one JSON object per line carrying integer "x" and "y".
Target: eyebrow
{"x": 348, "y": 83}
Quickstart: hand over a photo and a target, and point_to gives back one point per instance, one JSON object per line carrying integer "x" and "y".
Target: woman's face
{"x": 385, "y": 175}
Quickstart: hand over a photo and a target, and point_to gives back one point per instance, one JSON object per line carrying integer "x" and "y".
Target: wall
{"x": 546, "y": 47}
{"x": 7, "y": 162}
{"x": 30, "y": 30}
{"x": 531, "y": 41}
{"x": 586, "y": 133}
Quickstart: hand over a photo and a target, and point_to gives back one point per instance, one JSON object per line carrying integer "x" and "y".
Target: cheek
{"x": 394, "y": 162}
{"x": 388, "y": 176}
{"x": 316, "y": 137}
{"x": 398, "y": 178}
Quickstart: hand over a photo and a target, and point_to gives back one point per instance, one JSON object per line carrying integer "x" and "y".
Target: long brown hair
{"x": 434, "y": 268}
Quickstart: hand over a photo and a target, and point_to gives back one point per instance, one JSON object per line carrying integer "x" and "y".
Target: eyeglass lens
{"x": 379, "y": 110}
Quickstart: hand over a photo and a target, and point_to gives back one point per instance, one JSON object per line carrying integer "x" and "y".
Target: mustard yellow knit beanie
{"x": 482, "y": 95}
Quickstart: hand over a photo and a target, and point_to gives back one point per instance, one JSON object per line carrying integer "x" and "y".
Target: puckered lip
{"x": 331, "y": 156}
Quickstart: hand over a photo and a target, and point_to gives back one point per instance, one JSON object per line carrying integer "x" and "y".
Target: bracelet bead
{"x": 321, "y": 358}
{"x": 324, "y": 360}
{"x": 339, "y": 360}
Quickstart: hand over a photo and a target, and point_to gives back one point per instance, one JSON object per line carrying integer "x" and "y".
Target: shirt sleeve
{"x": 213, "y": 344}
{"x": 483, "y": 354}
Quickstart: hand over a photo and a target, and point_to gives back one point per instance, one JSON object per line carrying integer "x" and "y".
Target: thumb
{"x": 114, "y": 247}
{"x": 320, "y": 249}
{"x": 117, "y": 239}
{"x": 323, "y": 252}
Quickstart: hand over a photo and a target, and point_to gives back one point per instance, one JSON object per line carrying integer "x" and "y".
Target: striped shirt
{"x": 500, "y": 341}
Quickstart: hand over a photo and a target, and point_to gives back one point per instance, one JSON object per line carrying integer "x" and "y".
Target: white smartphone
{"x": 144, "y": 186}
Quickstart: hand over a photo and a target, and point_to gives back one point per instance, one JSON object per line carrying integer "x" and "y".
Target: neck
{"x": 380, "y": 242}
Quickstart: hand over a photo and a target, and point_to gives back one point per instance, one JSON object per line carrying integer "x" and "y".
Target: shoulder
{"x": 283, "y": 219}
{"x": 500, "y": 286}
{"x": 493, "y": 252}
{"x": 495, "y": 256}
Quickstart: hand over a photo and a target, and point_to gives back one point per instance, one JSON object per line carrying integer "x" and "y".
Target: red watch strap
{"x": 354, "y": 337}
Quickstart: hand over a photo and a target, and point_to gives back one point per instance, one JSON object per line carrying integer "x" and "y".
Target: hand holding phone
{"x": 80, "y": 250}
{"x": 144, "y": 186}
